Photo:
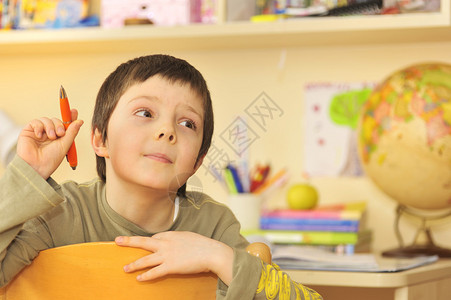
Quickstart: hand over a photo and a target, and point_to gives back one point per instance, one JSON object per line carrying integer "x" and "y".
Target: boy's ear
{"x": 98, "y": 144}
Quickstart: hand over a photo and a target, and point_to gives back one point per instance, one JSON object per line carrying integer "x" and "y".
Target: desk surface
{"x": 435, "y": 271}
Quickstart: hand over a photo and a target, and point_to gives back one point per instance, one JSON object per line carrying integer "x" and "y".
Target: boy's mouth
{"x": 159, "y": 157}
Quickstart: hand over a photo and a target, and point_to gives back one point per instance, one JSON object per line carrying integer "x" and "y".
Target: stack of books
{"x": 339, "y": 228}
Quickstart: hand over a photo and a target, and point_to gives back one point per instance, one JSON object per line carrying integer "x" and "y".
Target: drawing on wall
{"x": 331, "y": 114}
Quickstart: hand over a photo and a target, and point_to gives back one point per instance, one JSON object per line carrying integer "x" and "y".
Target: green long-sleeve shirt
{"x": 36, "y": 214}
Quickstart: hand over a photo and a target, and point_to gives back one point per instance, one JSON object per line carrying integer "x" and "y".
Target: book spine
{"x": 315, "y": 214}
{"x": 306, "y": 237}
{"x": 310, "y": 224}
{"x": 305, "y": 227}
{"x": 296, "y": 221}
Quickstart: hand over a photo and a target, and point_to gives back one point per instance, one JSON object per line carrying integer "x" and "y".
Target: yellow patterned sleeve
{"x": 275, "y": 284}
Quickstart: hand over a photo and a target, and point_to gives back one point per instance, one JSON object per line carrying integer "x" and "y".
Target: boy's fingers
{"x": 37, "y": 128}
{"x": 49, "y": 127}
{"x": 154, "y": 273}
{"x": 142, "y": 242}
{"x": 59, "y": 127}
{"x": 74, "y": 128}
{"x": 74, "y": 114}
{"x": 71, "y": 133}
{"x": 54, "y": 128}
{"x": 43, "y": 125}
{"x": 145, "y": 262}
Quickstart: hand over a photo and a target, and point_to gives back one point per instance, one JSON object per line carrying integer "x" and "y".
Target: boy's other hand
{"x": 44, "y": 142}
{"x": 177, "y": 252}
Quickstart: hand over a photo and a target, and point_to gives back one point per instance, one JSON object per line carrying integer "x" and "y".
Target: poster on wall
{"x": 331, "y": 115}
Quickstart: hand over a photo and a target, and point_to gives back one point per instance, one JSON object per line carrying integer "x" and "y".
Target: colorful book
{"x": 310, "y": 237}
{"x": 340, "y": 225}
{"x": 348, "y": 211}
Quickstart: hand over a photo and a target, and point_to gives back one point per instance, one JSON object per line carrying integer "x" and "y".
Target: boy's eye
{"x": 144, "y": 113}
{"x": 189, "y": 124}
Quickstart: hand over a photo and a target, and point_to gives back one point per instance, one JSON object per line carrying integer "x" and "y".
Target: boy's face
{"x": 154, "y": 135}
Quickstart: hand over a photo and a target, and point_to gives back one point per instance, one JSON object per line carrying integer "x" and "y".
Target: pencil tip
{"x": 62, "y": 92}
{"x": 73, "y": 168}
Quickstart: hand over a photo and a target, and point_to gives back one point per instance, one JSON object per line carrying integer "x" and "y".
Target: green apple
{"x": 302, "y": 196}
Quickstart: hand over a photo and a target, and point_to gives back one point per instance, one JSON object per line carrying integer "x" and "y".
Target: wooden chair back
{"x": 95, "y": 271}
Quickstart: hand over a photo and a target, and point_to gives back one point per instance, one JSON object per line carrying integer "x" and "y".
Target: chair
{"x": 95, "y": 271}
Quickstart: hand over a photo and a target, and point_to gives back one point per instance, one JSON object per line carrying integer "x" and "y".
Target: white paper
{"x": 329, "y": 149}
{"x": 315, "y": 258}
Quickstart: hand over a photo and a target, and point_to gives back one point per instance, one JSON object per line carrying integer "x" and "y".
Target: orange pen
{"x": 67, "y": 119}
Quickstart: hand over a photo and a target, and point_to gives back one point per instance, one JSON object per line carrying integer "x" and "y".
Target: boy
{"x": 151, "y": 129}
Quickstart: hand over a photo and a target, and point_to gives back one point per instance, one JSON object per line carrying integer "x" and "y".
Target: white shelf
{"x": 319, "y": 31}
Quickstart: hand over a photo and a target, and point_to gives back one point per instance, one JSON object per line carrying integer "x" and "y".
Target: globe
{"x": 404, "y": 136}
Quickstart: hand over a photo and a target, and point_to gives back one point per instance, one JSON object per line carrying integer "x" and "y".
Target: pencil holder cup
{"x": 247, "y": 209}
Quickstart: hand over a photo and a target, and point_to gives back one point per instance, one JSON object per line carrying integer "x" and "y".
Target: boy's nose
{"x": 165, "y": 133}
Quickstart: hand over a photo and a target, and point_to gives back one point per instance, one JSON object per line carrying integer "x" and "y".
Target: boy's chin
{"x": 159, "y": 187}
{"x": 163, "y": 184}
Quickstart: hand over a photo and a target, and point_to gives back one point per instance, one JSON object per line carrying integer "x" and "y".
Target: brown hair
{"x": 139, "y": 70}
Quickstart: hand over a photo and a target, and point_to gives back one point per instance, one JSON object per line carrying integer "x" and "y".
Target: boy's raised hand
{"x": 178, "y": 252}
{"x": 44, "y": 142}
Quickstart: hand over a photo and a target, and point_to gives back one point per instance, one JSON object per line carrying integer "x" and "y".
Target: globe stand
{"x": 423, "y": 243}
